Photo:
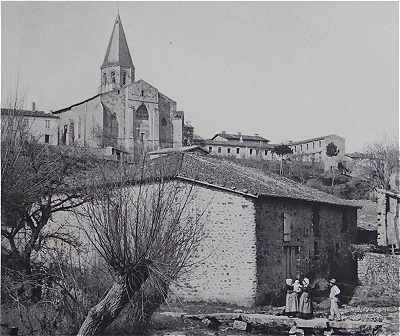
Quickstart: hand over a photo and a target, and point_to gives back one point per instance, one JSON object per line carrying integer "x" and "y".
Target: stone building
{"x": 239, "y": 146}
{"x": 39, "y": 124}
{"x": 127, "y": 114}
{"x": 260, "y": 229}
{"x": 388, "y": 219}
{"x": 314, "y": 150}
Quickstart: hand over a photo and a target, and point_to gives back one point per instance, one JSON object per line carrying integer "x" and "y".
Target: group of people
{"x": 299, "y": 299}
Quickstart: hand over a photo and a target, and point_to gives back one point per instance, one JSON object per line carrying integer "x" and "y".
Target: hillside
{"x": 313, "y": 176}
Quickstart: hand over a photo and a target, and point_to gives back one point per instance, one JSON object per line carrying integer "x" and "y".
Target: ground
{"x": 168, "y": 321}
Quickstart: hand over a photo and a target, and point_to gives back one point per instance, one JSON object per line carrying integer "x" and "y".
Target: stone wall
{"x": 379, "y": 269}
{"x": 227, "y": 269}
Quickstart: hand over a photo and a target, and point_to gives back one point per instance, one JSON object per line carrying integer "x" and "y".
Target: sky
{"x": 287, "y": 71}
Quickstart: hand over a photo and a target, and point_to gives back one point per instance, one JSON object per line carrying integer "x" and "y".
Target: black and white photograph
{"x": 190, "y": 168}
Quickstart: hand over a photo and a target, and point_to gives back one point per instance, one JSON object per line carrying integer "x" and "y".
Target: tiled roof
{"x": 229, "y": 176}
{"x": 237, "y": 137}
{"x": 233, "y": 143}
{"x": 178, "y": 150}
{"x": 27, "y": 113}
{"x": 312, "y": 139}
{"x": 117, "y": 50}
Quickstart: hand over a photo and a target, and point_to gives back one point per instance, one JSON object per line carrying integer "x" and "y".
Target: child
{"x": 333, "y": 296}
{"x": 305, "y": 305}
{"x": 291, "y": 307}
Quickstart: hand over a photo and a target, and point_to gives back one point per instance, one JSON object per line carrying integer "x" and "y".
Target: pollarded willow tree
{"x": 144, "y": 224}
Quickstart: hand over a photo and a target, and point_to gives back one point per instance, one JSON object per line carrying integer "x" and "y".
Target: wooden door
{"x": 290, "y": 263}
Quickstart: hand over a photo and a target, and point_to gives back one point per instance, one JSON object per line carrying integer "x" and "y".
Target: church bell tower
{"x": 117, "y": 69}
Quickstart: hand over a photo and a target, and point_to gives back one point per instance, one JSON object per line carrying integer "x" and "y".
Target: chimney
{"x": 33, "y": 106}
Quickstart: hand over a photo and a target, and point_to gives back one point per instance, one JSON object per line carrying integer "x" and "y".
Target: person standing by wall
{"x": 333, "y": 296}
{"x": 305, "y": 305}
{"x": 292, "y": 304}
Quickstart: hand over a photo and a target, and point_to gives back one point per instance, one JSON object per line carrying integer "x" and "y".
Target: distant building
{"x": 314, "y": 150}
{"x": 127, "y": 114}
{"x": 240, "y": 146}
{"x": 188, "y": 132}
{"x": 41, "y": 125}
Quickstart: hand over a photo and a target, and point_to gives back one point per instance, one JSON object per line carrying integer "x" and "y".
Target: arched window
{"x": 142, "y": 113}
{"x": 163, "y": 122}
{"x": 104, "y": 78}
{"x": 112, "y": 76}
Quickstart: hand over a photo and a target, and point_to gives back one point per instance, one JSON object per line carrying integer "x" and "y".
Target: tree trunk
{"x": 108, "y": 309}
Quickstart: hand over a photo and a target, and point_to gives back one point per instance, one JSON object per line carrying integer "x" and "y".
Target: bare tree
{"x": 145, "y": 232}
{"x": 37, "y": 181}
{"x": 381, "y": 164}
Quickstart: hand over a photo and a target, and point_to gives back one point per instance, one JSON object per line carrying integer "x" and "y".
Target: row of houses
{"x": 256, "y": 147}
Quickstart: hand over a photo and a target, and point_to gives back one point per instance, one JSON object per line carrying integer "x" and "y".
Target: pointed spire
{"x": 117, "y": 50}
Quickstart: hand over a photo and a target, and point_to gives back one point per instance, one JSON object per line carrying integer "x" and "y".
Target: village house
{"x": 260, "y": 229}
{"x": 40, "y": 125}
{"x": 127, "y": 114}
{"x": 239, "y": 146}
{"x": 314, "y": 150}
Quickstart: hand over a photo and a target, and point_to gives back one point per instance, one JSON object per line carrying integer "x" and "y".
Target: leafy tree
{"x": 282, "y": 150}
{"x": 331, "y": 151}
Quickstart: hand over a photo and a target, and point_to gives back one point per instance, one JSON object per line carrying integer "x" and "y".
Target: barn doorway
{"x": 291, "y": 261}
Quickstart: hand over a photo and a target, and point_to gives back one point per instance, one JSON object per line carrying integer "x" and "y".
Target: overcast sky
{"x": 283, "y": 70}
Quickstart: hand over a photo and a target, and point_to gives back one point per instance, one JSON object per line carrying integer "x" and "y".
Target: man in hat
{"x": 333, "y": 296}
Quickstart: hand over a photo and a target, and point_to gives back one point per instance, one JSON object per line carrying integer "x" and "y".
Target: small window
{"x": 112, "y": 76}
{"x": 210, "y": 149}
{"x": 301, "y": 147}
{"x": 287, "y": 227}
{"x": 316, "y": 249}
{"x": 266, "y": 152}
{"x": 142, "y": 93}
{"x": 307, "y": 146}
{"x": 104, "y": 78}
{"x": 257, "y": 151}
{"x": 123, "y": 77}
{"x": 315, "y": 222}
{"x": 163, "y": 122}
{"x": 251, "y": 151}
{"x": 47, "y": 138}
{"x": 237, "y": 150}
{"x": 47, "y": 123}
{"x": 320, "y": 143}
{"x": 313, "y": 145}
{"x": 142, "y": 137}
{"x": 229, "y": 151}
{"x": 219, "y": 149}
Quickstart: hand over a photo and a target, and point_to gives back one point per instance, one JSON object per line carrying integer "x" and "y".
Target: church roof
{"x": 117, "y": 50}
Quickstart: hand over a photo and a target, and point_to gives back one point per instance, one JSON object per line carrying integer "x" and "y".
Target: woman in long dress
{"x": 305, "y": 305}
{"x": 292, "y": 305}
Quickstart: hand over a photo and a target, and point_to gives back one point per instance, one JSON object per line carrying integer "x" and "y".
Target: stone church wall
{"x": 82, "y": 124}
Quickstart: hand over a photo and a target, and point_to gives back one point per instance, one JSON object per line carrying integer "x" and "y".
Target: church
{"x": 127, "y": 116}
